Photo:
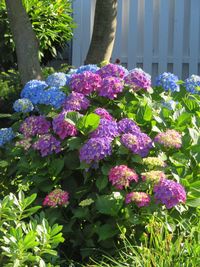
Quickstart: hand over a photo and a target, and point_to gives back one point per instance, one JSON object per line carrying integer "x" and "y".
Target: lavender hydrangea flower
{"x": 169, "y": 139}
{"x": 113, "y": 70}
{"x": 33, "y": 90}
{"x": 141, "y": 199}
{"x": 34, "y": 125}
{"x": 138, "y": 79}
{"x": 169, "y": 193}
{"x": 6, "y": 135}
{"x": 56, "y": 198}
{"x": 103, "y": 113}
{"x": 96, "y": 149}
{"x": 121, "y": 176}
{"x": 192, "y": 83}
{"x": 23, "y": 105}
{"x": 139, "y": 143}
{"x": 128, "y": 126}
{"x": 168, "y": 81}
{"x": 56, "y": 79}
{"x": 53, "y": 97}
{"x": 153, "y": 177}
{"x": 90, "y": 67}
{"x": 106, "y": 128}
{"x": 76, "y": 101}
{"x": 63, "y": 128}
{"x": 110, "y": 87}
{"x": 47, "y": 144}
{"x": 85, "y": 83}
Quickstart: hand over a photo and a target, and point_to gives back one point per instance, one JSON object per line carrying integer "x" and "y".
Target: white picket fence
{"x": 156, "y": 35}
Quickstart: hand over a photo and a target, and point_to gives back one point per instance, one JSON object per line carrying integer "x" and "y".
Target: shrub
{"x": 103, "y": 161}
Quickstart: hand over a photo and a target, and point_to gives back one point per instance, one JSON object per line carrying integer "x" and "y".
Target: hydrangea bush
{"x": 104, "y": 150}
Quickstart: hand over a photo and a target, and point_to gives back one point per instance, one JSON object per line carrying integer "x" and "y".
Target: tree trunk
{"x": 25, "y": 41}
{"x": 103, "y": 37}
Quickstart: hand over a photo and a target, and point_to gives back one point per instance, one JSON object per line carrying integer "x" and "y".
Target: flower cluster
{"x": 110, "y": 87}
{"x": 168, "y": 81}
{"x": 56, "y": 198}
{"x": 106, "y": 128}
{"x": 23, "y": 105}
{"x": 139, "y": 143}
{"x": 96, "y": 149}
{"x": 103, "y": 113}
{"x": 141, "y": 199}
{"x": 113, "y": 70}
{"x": 169, "y": 193}
{"x": 90, "y": 67}
{"x": 34, "y": 125}
{"x": 76, "y": 101}
{"x": 192, "y": 84}
{"x": 85, "y": 83}
{"x": 62, "y": 127}
{"x": 121, "y": 176}
{"x": 138, "y": 79}
{"x": 170, "y": 139}
{"x": 56, "y": 79}
{"x": 153, "y": 177}
{"x": 127, "y": 126}
{"x": 53, "y": 97}
{"x": 24, "y": 143}
{"x": 33, "y": 90}
{"x": 6, "y": 135}
{"x": 47, "y": 144}
{"x": 153, "y": 162}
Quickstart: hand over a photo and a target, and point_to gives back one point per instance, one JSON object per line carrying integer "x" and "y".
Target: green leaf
{"x": 110, "y": 204}
{"x": 193, "y": 202}
{"x": 106, "y": 231}
{"x": 4, "y": 163}
{"x": 56, "y": 166}
{"x": 183, "y": 119}
{"x": 101, "y": 182}
{"x": 74, "y": 143}
{"x": 88, "y": 123}
{"x": 147, "y": 113}
{"x": 72, "y": 117}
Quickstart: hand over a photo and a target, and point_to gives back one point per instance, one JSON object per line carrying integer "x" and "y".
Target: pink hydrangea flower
{"x": 104, "y": 114}
{"x": 62, "y": 127}
{"x": 138, "y": 79}
{"x": 113, "y": 70}
{"x": 121, "y": 176}
{"x": 141, "y": 199}
{"x": 169, "y": 139}
{"x": 110, "y": 87}
{"x": 56, "y": 198}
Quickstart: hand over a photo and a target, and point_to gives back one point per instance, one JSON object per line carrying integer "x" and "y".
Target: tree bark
{"x": 103, "y": 37}
{"x": 25, "y": 41}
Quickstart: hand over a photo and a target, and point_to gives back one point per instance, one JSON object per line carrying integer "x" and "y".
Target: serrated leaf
{"x": 101, "y": 182}
{"x": 106, "y": 231}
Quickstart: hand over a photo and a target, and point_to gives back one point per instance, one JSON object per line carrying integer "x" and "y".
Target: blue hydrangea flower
{"x": 6, "y": 135}
{"x": 54, "y": 97}
{"x": 90, "y": 67}
{"x": 23, "y": 105}
{"x": 33, "y": 91}
{"x": 192, "y": 83}
{"x": 57, "y": 79}
{"x": 168, "y": 81}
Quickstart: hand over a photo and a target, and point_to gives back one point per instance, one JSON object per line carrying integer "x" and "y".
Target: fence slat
{"x": 178, "y": 37}
{"x": 132, "y": 34}
{"x": 194, "y": 37}
{"x": 163, "y": 35}
{"x": 148, "y": 36}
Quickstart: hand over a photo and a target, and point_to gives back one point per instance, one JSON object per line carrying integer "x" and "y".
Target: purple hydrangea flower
{"x": 6, "y": 135}
{"x": 128, "y": 126}
{"x": 23, "y": 105}
{"x": 113, "y": 70}
{"x": 121, "y": 176}
{"x": 56, "y": 198}
{"x": 47, "y": 144}
{"x": 56, "y": 79}
{"x": 139, "y": 143}
{"x": 170, "y": 139}
{"x": 169, "y": 193}
{"x": 103, "y": 113}
{"x": 106, "y": 128}
{"x": 138, "y": 79}
{"x": 110, "y": 87}
{"x": 85, "y": 83}
{"x": 192, "y": 83}
{"x": 141, "y": 199}
{"x": 76, "y": 101}
{"x": 33, "y": 90}
{"x": 35, "y": 125}
{"x": 96, "y": 149}
{"x": 62, "y": 127}
{"x": 168, "y": 81}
